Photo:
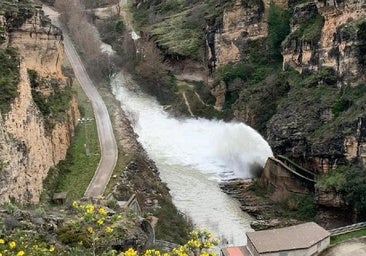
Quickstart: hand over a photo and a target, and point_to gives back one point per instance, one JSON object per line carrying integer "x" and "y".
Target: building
{"x": 300, "y": 240}
{"x": 235, "y": 251}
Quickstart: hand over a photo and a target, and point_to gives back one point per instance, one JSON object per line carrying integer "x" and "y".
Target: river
{"x": 193, "y": 155}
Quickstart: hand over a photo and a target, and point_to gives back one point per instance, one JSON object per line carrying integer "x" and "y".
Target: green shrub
{"x": 111, "y": 30}
{"x": 361, "y": 36}
{"x": 278, "y": 29}
{"x": 301, "y": 207}
{"x": 355, "y": 189}
{"x": 181, "y": 35}
{"x": 229, "y": 72}
{"x": 310, "y": 31}
{"x": 53, "y": 106}
{"x": 340, "y": 106}
{"x": 164, "y": 230}
{"x": 334, "y": 179}
{"x": 9, "y": 78}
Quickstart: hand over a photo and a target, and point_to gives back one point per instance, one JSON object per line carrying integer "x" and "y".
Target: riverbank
{"x": 270, "y": 214}
{"x": 255, "y": 201}
{"x": 137, "y": 174}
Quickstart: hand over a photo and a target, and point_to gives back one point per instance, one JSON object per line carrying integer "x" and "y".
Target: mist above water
{"x": 193, "y": 155}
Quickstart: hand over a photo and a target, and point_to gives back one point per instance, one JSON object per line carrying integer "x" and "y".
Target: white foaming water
{"x": 192, "y": 155}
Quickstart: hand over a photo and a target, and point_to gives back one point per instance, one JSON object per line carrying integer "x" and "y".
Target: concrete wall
{"x": 277, "y": 177}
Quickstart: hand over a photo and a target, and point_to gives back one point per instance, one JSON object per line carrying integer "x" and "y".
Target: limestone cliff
{"x": 239, "y": 24}
{"x": 314, "y": 119}
{"x": 30, "y": 147}
{"x": 336, "y": 45}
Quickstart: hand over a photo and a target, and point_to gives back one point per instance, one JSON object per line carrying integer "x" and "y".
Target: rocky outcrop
{"x": 292, "y": 134}
{"x": 29, "y": 148}
{"x": 40, "y": 45}
{"x": 327, "y": 34}
{"x": 239, "y": 24}
{"x": 329, "y": 198}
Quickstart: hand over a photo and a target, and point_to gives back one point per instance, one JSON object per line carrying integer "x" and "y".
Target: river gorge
{"x": 193, "y": 156}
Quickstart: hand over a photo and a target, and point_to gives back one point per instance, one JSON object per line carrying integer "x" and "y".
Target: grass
{"x": 78, "y": 168}
{"x": 343, "y": 237}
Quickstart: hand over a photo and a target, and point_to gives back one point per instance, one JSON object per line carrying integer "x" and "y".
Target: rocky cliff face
{"x": 29, "y": 149}
{"x": 326, "y": 39}
{"x": 337, "y": 43}
{"x": 239, "y": 24}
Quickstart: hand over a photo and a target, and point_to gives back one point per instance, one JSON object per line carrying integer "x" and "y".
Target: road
{"x": 108, "y": 145}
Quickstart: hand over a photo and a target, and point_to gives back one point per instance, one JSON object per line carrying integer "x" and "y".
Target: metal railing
{"x": 346, "y": 229}
{"x": 297, "y": 168}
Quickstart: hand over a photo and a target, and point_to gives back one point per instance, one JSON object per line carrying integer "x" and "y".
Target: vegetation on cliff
{"x": 350, "y": 182}
{"x": 15, "y": 13}
{"x": 178, "y": 27}
{"x": 51, "y": 97}
{"x": 9, "y": 78}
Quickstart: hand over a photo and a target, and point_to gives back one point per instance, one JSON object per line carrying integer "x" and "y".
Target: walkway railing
{"x": 346, "y": 229}
{"x": 309, "y": 179}
{"x": 297, "y": 168}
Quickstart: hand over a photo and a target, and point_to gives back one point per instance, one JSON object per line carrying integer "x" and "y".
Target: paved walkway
{"x": 353, "y": 247}
{"x": 108, "y": 145}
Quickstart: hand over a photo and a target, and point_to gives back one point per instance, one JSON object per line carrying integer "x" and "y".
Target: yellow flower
{"x": 20, "y": 253}
{"x": 102, "y": 211}
{"x": 12, "y": 244}
{"x": 75, "y": 204}
{"x": 90, "y": 230}
{"x": 130, "y": 252}
{"x": 100, "y": 221}
{"x": 2, "y": 241}
{"x": 108, "y": 229}
{"x": 52, "y": 248}
{"x": 152, "y": 253}
{"x": 194, "y": 243}
{"x": 207, "y": 244}
{"x": 1, "y": 254}
{"x": 90, "y": 209}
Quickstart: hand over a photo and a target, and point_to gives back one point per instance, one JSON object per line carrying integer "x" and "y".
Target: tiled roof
{"x": 290, "y": 238}
{"x": 235, "y": 251}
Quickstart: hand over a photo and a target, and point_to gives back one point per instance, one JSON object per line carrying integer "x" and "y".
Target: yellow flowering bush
{"x": 20, "y": 243}
{"x": 201, "y": 243}
{"x": 93, "y": 228}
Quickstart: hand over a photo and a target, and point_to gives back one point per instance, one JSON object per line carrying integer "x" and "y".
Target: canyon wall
{"x": 337, "y": 44}
{"x": 30, "y": 148}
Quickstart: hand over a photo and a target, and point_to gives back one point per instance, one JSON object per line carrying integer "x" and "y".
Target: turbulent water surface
{"x": 193, "y": 155}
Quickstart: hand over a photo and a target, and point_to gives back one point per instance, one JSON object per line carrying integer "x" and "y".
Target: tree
{"x": 355, "y": 190}
{"x": 278, "y": 29}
